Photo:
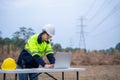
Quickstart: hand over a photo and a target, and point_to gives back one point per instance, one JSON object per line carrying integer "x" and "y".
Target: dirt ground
{"x": 104, "y": 72}
{"x": 93, "y": 72}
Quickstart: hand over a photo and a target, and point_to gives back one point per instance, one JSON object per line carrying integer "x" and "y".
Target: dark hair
{"x": 40, "y": 38}
{"x": 43, "y": 32}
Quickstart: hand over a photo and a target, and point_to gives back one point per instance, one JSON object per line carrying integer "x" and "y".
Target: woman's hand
{"x": 49, "y": 66}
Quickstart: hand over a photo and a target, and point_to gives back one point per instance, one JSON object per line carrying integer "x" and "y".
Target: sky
{"x": 100, "y": 22}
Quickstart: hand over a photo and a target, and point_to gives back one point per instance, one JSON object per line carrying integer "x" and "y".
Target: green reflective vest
{"x": 34, "y": 48}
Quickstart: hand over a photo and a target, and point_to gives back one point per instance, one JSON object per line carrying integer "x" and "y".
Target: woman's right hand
{"x": 48, "y": 66}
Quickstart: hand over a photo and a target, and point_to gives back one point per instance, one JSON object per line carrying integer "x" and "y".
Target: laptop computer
{"x": 63, "y": 60}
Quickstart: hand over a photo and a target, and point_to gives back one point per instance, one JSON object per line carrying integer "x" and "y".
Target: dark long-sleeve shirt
{"x": 28, "y": 61}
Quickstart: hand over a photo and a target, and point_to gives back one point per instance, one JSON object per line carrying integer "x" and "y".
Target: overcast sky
{"x": 101, "y": 20}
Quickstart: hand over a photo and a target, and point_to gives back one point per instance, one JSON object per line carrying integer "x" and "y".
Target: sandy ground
{"x": 102, "y": 72}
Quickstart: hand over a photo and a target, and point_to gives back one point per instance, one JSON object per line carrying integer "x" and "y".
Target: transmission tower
{"x": 82, "y": 38}
{"x": 71, "y": 43}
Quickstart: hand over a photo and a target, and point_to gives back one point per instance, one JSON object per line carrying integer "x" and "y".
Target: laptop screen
{"x": 63, "y": 60}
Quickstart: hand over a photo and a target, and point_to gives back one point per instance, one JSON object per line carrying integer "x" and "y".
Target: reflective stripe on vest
{"x": 41, "y": 54}
{"x": 49, "y": 52}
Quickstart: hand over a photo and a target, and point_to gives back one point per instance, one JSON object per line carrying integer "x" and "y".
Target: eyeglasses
{"x": 48, "y": 35}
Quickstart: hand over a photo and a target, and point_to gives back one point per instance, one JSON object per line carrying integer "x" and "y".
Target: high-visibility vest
{"x": 40, "y": 49}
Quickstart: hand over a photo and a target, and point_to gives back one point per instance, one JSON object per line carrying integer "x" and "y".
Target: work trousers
{"x": 28, "y": 76}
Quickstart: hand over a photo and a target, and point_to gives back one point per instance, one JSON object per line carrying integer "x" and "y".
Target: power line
{"x": 105, "y": 18}
{"x": 91, "y": 6}
{"x": 108, "y": 30}
{"x": 99, "y": 10}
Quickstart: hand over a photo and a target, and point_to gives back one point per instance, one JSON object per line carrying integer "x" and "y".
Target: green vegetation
{"x": 20, "y": 37}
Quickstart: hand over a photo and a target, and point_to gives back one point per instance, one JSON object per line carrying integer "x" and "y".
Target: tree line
{"x": 20, "y": 37}
{"x": 18, "y": 40}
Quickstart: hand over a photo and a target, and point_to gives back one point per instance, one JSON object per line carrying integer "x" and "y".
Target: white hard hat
{"x": 49, "y": 28}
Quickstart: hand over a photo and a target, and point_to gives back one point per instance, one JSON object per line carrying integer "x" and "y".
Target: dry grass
{"x": 95, "y": 58}
{"x": 98, "y": 66}
{"x": 104, "y": 72}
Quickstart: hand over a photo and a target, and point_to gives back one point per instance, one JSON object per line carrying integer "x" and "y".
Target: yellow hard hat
{"x": 9, "y": 64}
